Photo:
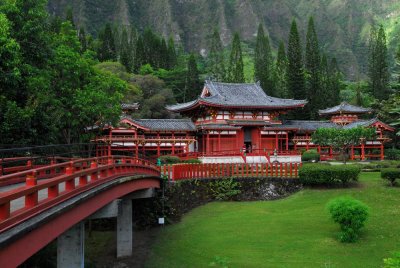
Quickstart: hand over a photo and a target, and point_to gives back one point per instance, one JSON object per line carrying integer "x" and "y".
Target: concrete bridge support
{"x": 70, "y": 247}
{"x": 124, "y": 229}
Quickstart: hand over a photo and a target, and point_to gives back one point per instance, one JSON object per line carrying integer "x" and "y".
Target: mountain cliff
{"x": 342, "y": 25}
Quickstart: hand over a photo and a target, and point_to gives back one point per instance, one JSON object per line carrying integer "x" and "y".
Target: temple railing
{"x": 232, "y": 170}
{"x": 63, "y": 181}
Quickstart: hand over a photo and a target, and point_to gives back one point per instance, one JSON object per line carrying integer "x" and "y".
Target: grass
{"x": 293, "y": 232}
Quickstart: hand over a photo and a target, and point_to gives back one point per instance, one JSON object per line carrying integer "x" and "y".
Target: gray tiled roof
{"x": 130, "y": 106}
{"x": 344, "y": 107}
{"x": 361, "y": 123}
{"x": 218, "y": 126}
{"x": 238, "y": 95}
{"x": 306, "y": 125}
{"x": 165, "y": 124}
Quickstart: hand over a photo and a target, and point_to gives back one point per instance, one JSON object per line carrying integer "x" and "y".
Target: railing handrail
{"x": 112, "y": 167}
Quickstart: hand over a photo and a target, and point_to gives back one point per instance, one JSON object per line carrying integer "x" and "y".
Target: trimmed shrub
{"x": 310, "y": 156}
{"x": 392, "y": 154}
{"x": 351, "y": 215}
{"x": 224, "y": 189}
{"x": 319, "y": 174}
{"x": 390, "y": 174}
{"x": 192, "y": 161}
{"x": 168, "y": 159}
{"x": 392, "y": 262}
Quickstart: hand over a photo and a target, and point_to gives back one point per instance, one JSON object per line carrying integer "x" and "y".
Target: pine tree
{"x": 378, "y": 64}
{"x": 235, "y": 70}
{"x": 163, "y": 61}
{"x": 82, "y": 39}
{"x": 126, "y": 58}
{"x": 313, "y": 68}
{"x": 139, "y": 54}
{"x": 335, "y": 80}
{"x": 107, "y": 50}
{"x": 216, "y": 57}
{"x": 263, "y": 62}
{"x": 70, "y": 17}
{"x": 132, "y": 46}
{"x": 192, "y": 82}
{"x": 295, "y": 72}
{"x": 172, "y": 58}
{"x": 280, "y": 71}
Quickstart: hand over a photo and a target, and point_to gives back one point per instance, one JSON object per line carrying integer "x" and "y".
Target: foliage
{"x": 378, "y": 67}
{"x": 192, "y": 161}
{"x": 392, "y": 262}
{"x": 315, "y": 94}
{"x": 390, "y": 174}
{"x": 224, "y": 189}
{"x": 263, "y": 64}
{"x": 281, "y": 89}
{"x": 192, "y": 82}
{"x": 310, "y": 156}
{"x": 295, "y": 70}
{"x": 351, "y": 215}
{"x": 235, "y": 68}
{"x": 216, "y": 57}
{"x": 320, "y": 174}
{"x": 342, "y": 138}
{"x": 392, "y": 154}
{"x": 107, "y": 50}
{"x": 169, "y": 159}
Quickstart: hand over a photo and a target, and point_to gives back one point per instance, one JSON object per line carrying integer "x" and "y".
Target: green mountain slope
{"x": 342, "y": 25}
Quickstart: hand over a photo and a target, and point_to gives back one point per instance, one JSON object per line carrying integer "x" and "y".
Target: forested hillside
{"x": 342, "y": 26}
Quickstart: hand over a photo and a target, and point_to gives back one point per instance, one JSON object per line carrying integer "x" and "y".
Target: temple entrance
{"x": 248, "y": 142}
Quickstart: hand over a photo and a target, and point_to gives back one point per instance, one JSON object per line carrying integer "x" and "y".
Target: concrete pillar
{"x": 70, "y": 247}
{"x": 124, "y": 229}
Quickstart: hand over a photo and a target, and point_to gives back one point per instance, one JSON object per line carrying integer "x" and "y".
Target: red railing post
{"x": 94, "y": 175}
{"x": 83, "y": 180}
{"x": 5, "y": 211}
{"x": 281, "y": 175}
{"x": 52, "y": 191}
{"x": 31, "y": 199}
{"x": 286, "y": 170}
{"x": 296, "y": 171}
{"x": 291, "y": 170}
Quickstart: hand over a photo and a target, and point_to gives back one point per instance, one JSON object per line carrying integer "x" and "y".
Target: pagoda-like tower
{"x": 231, "y": 118}
{"x": 344, "y": 113}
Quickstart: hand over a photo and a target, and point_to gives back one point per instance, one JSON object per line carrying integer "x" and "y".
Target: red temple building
{"x": 238, "y": 123}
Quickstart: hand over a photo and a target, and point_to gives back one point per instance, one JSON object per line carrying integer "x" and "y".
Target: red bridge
{"x": 39, "y": 204}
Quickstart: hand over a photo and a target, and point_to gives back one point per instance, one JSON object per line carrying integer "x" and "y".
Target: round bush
{"x": 168, "y": 159}
{"x": 310, "y": 156}
{"x": 390, "y": 174}
{"x": 351, "y": 215}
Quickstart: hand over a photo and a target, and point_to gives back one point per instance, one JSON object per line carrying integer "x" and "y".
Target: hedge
{"x": 390, "y": 174}
{"x": 310, "y": 156}
{"x": 392, "y": 154}
{"x": 319, "y": 174}
{"x": 168, "y": 159}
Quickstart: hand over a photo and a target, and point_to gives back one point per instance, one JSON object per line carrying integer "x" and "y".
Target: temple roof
{"x": 344, "y": 108}
{"x": 306, "y": 125}
{"x": 163, "y": 124}
{"x": 236, "y": 96}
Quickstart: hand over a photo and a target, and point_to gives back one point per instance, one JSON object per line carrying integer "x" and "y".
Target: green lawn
{"x": 293, "y": 232}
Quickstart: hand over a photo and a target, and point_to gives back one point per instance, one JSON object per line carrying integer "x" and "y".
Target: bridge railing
{"x": 67, "y": 180}
{"x": 213, "y": 171}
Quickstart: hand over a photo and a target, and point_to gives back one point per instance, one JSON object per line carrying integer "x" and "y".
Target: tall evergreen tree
{"x": 70, "y": 16}
{"x": 216, "y": 57}
{"x": 335, "y": 80}
{"x": 295, "y": 72}
{"x": 263, "y": 62}
{"x": 172, "y": 58}
{"x": 107, "y": 50}
{"x": 235, "y": 69}
{"x": 313, "y": 69}
{"x": 83, "y": 39}
{"x": 280, "y": 71}
{"x": 139, "y": 54}
{"x": 192, "y": 82}
{"x": 126, "y": 58}
{"x": 378, "y": 71}
{"x": 163, "y": 58}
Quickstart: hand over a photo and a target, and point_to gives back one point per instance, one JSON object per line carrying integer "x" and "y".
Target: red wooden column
{"x": 109, "y": 143}
{"x": 287, "y": 141}
{"x": 276, "y": 141}
{"x": 382, "y": 151}
{"x": 352, "y": 152}
{"x": 208, "y": 142}
{"x": 362, "y": 151}
{"x": 158, "y": 144}
{"x": 219, "y": 141}
{"x": 137, "y": 148}
{"x": 307, "y": 141}
{"x": 173, "y": 143}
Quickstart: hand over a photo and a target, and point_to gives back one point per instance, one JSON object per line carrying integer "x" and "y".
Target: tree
{"x": 343, "y": 138}
{"x": 378, "y": 68}
{"x": 107, "y": 50}
{"x": 334, "y": 83}
{"x": 263, "y": 62}
{"x": 235, "y": 69}
{"x": 192, "y": 82}
{"x": 172, "y": 58}
{"x": 70, "y": 16}
{"x": 139, "y": 54}
{"x": 351, "y": 215}
{"x": 295, "y": 72}
{"x": 126, "y": 57}
{"x": 281, "y": 89}
{"x": 313, "y": 69}
{"x": 82, "y": 39}
{"x": 216, "y": 57}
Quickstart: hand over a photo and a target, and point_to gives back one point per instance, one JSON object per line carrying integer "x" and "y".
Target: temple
{"x": 239, "y": 123}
